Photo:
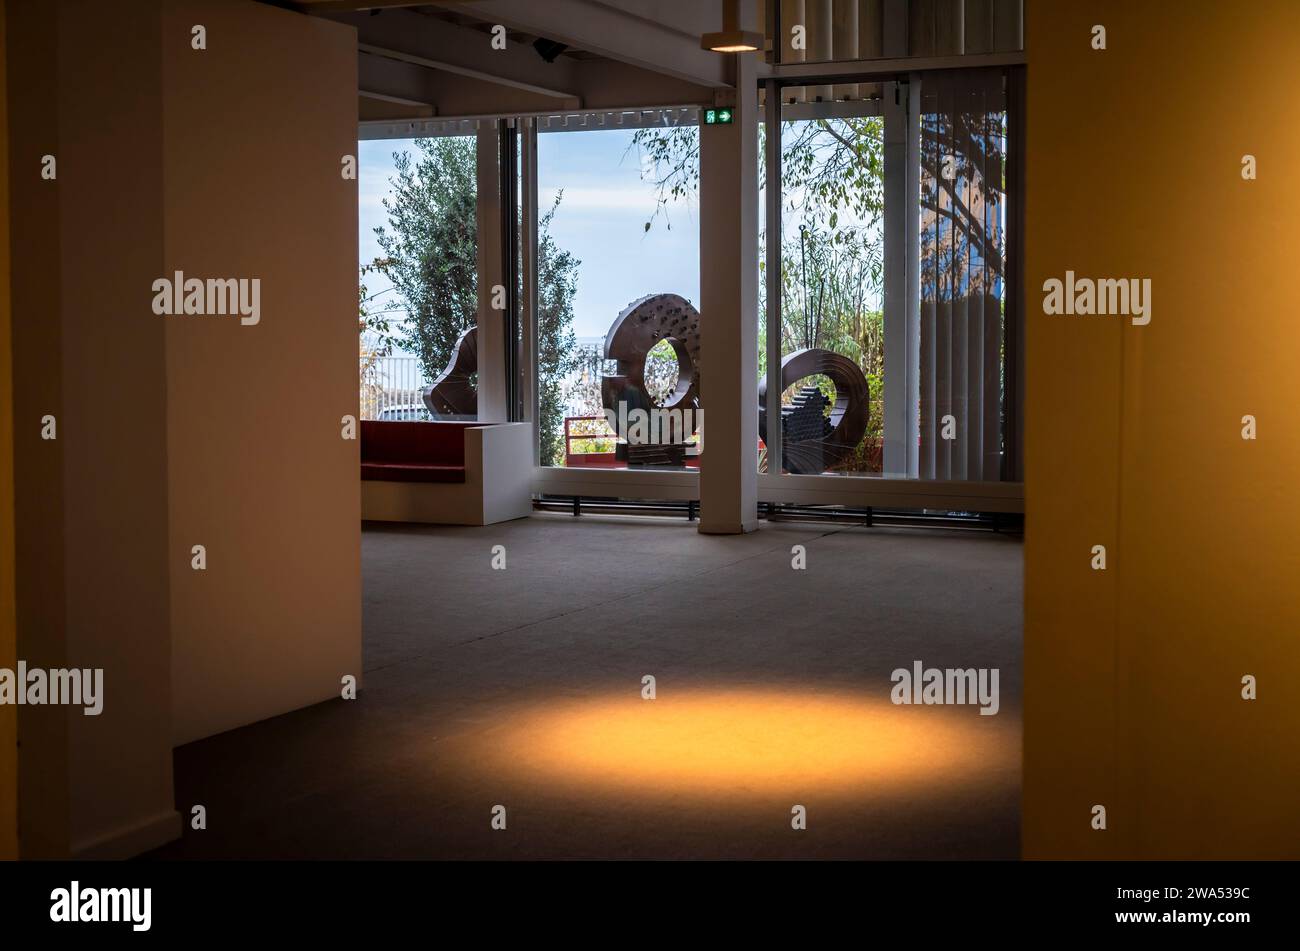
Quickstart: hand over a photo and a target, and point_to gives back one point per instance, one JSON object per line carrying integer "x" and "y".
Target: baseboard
{"x": 132, "y": 840}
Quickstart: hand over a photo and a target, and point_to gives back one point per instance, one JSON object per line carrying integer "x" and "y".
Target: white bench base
{"x": 497, "y": 487}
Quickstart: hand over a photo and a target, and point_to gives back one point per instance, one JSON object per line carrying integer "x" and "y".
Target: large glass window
{"x": 832, "y": 290}
{"x": 618, "y": 288}
{"x": 892, "y": 280}
{"x": 419, "y": 278}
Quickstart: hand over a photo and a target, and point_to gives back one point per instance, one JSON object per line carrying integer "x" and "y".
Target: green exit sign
{"x": 718, "y": 116}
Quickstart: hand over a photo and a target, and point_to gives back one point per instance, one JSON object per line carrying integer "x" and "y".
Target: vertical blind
{"x": 962, "y": 272}
{"x": 844, "y": 30}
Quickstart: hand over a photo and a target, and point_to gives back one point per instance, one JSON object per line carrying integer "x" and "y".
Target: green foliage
{"x": 832, "y": 167}
{"x": 373, "y": 326}
{"x": 431, "y": 257}
{"x": 375, "y": 335}
{"x": 671, "y": 159}
{"x": 661, "y": 371}
{"x": 431, "y": 246}
{"x": 832, "y": 271}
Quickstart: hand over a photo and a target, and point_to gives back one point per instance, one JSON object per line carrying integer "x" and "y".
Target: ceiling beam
{"x": 395, "y": 100}
{"x": 446, "y": 67}
{"x": 642, "y": 33}
{"x": 398, "y": 80}
{"x": 435, "y": 44}
{"x": 450, "y": 94}
{"x": 603, "y": 84}
{"x": 372, "y": 106}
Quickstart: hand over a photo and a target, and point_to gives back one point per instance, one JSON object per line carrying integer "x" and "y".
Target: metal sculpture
{"x": 453, "y": 392}
{"x": 811, "y": 443}
{"x": 641, "y": 325}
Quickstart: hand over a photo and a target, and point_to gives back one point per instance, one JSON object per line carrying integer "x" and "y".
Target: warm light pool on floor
{"x": 755, "y": 740}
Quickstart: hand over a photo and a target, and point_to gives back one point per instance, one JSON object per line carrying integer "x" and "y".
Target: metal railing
{"x": 390, "y": 388}
{"x": 597, "y": 442}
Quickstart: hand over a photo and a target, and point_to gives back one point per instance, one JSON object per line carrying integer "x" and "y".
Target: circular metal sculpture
{"x": 811, "y": 443}
{"x": 643, "y": 324}
{"x": 453, "y": 393}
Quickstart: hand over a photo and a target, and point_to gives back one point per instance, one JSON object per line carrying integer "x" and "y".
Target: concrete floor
{"x": 522, "y": 688}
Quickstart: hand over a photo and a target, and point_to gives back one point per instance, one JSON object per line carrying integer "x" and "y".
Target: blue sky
{"x": 601, "y": 221}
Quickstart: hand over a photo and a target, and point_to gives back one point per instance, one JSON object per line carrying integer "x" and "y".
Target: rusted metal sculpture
{"x": 810, "y": 443}
{"x": 643, "y": 324}
{"x": 452, "y": 393}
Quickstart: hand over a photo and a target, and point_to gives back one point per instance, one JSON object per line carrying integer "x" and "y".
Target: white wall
{"x": 255, "y": 130}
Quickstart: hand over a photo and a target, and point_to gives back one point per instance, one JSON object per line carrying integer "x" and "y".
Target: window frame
{"x": 901, "y": 305}
{"x": 883, "y": 491}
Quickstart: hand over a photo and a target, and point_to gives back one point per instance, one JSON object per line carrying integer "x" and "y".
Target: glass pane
{"x": 618, "y": 328}
{"x": 419, "y": 278}
{"x": 832, "y": 325}
{"x": 944, "y": 353}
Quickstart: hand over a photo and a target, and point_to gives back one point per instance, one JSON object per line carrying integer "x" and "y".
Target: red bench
{"x": 413, "y": 452}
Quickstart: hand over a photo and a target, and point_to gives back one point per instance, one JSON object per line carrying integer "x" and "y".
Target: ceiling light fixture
{"x": 732, "y": 39}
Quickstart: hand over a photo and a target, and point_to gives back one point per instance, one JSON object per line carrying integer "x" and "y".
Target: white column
{"x": 729, "y": 312}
